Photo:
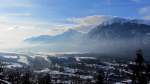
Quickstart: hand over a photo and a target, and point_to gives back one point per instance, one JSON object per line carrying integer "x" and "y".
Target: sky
{"x": 21, "y": 19}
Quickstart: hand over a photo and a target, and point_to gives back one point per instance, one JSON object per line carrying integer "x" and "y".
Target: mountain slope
{"x": 69, "y": 35}
{"x": 114, "y": 35}
{"x": 119, "y": 35}
{"x": 120, "y": 29}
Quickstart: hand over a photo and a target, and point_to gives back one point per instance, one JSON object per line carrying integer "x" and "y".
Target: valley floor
{"x": 65, "y": 69}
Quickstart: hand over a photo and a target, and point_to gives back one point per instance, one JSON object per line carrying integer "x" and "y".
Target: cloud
{"x": 86, "y": 23}
{"x": 34, "y": 28}
{"x": 147, "y": 17}
{"x": 110, "y": 1}
{"x": 15, "y": 3}
{"x": 11, "y": 10}
{"x": 89, "y": 20}
{"x": 145, "y": 12}
{"x": 4, "y": 5}
{"x": 14, "y": 33}
{"x": 15, "y": 18}
{"x": 17, "y": 15}
{"x": 136, "y": 0}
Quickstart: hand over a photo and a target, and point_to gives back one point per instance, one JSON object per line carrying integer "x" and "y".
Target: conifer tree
{"x": 139, "y": 70}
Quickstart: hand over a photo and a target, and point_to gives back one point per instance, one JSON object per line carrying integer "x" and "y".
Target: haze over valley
{"x": 74, "y": 42}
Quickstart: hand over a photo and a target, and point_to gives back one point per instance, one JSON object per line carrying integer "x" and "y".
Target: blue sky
{"x": 20, "y": 19}
{"x": 59, "y": 10}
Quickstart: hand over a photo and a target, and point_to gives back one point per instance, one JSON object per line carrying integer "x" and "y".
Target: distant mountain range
{"x": 116, "y": 33}
{"x": 116, "y": 28}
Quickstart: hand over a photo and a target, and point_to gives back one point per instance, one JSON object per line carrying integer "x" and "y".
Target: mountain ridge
{"x": 113, "y": 28}
{"x": 70, "y": 35}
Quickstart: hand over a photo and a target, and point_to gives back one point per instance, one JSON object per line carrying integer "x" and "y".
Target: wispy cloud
{"x": 17, "y": 15}
{"x": 15, "y": 33}
{"x": 11, "y": 10}
{"x": 111, "y": 1}
{"x": 84, "y": 24}
{"x": 15, "y": 3}
{"x": 145, "y": 12}
{"x": 147, "y": 17}
{"x": 12, "y": 35}
{"x": 39, "y": 28}
{"x": 136, "y": 0}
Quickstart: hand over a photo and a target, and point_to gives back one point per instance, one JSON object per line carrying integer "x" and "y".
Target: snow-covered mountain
{"x": 124, "y": 20}
{"x": 119, "y": 28}
{"x": 119, "y": 35}
{"x": 113, "y": 34}
{"x": 113, "y": 28}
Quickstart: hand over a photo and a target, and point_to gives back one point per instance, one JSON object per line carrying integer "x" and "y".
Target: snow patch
{"x": 14, "y": 65}
{"x": 10, "y": 57}
{"x": 23, "y": 59}
{"x": 80, "y": 58}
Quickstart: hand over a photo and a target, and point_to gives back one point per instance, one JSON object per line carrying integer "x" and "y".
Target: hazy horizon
{"x": 20, "y": 20}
